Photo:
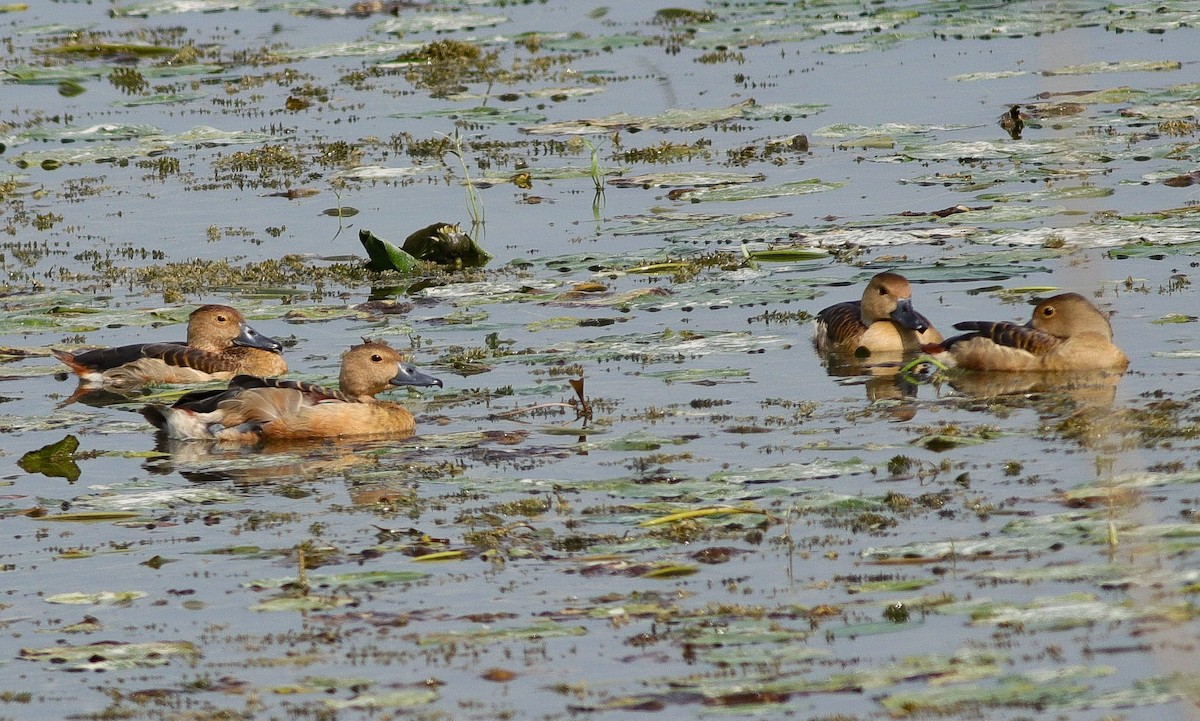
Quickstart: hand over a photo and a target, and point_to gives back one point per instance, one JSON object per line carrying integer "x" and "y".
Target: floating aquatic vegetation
{"x": 686, "y": 179}
{"x": 400, "y": 699}
{"x": 68, "y": 134}
{"x": 114, "y": 500}
{"x": 437, "y": 22}
{"x": 170, "y": 7}
{"x": 1118, "y": 66}
{"x": 1055, "y": 193}
{"x": 56, "y": 460}
{"x": 1059, "y": 688}
{"x": 539, "y": 173}
{"x": 113, "y": 655}
{"x": 988, "y": 75}
{"x": 799, "y": 187}
{"x": 440, "y": 243}
{"x": 478, "y": 114}
{"x": 353, "y": 580}
{"x": 348, "y": 49}
{"x": 820, "y": 468}
{"x": 160, "y": 99}
{"x": 144, "y": 146}
{"x": 96, "y": 598}
{"x": 568, "y": 42}
{"x": 674, "y": 119}
{"x": 377, "y": 172}
{"x": 538, "y": 631}
{"x": 871, "y": 43}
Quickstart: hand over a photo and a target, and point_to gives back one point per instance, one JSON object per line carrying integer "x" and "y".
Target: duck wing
{"x": 261, "y": 400}
{"x": 1008, "y": 335}
{"x": 840, "y": 321}
{"x": 102, "y": 359}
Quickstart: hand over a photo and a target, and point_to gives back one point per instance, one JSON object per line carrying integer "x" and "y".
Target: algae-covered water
{"x": 716, "y": 523}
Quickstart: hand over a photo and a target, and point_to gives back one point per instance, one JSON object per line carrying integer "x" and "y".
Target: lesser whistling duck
{"x": 219, "y": 345}
{"x": 256, "y": 409}
{"x": 884, "y": 321}
{"x": 1066, "y": 333}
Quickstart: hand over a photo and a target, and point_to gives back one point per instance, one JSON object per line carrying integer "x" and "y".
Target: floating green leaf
{"x": 56, "y": 460}
{"x": 385, "y": 256}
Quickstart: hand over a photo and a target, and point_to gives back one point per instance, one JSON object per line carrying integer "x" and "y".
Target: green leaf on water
{"x": 71, "y": 88}
{"x": 670, "y": 571}
{"x": 1175, "y": 318}
{"x": 385, "y": 256}
{"x": 56, "y": 460}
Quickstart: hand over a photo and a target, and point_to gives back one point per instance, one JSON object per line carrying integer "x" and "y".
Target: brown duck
{"x": 884, "y": 321}
{"x": 1066, "y": 333}
{"x": 256, "y": 409}
{"x": 219, "y": 345}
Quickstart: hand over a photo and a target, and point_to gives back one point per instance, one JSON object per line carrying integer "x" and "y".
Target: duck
{"x": 1012, "y": 122}
{"x": 220, "y": 344}
{"x": 1066, "y": 333}
{"x": 884, "y": 321}
{"x": 254, "y": 409}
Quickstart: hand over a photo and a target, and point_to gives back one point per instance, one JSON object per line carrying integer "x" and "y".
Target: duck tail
{"x": 68, "y": 359}
{"x": 156, "y": 413}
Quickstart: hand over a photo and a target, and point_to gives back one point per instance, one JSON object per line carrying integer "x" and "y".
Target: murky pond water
{"x": 735, "y": 529}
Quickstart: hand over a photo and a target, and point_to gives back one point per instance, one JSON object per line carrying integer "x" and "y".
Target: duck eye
{"x": 376, "y": 358}
{"x": 221, "y": 319}
{"x": 1048, "y": 311}
{"x": 883, "y": 291}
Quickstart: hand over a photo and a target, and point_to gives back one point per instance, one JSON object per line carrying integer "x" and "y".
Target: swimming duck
{"x": 254, "y": 409}
{"x": 219, "y": 345}
{"x": 1012, "y": 122}
{"x": 882, "y": 322}
{"x": 1066, "y": 333}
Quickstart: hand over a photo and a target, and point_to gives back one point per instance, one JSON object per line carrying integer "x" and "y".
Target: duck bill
{"x": 250, "y": 338}
{"x": 907, "y": 317}
{"x": 408, "y": 375}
